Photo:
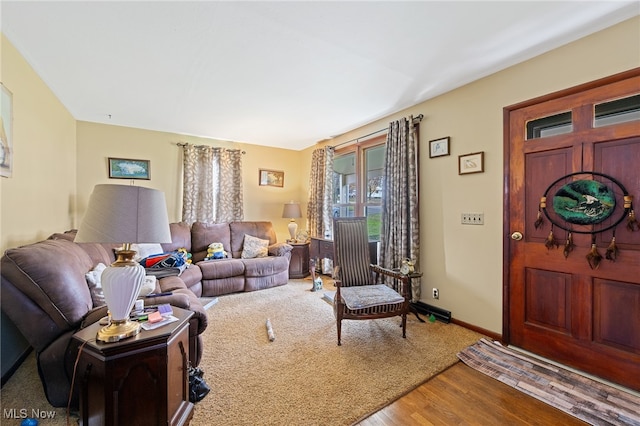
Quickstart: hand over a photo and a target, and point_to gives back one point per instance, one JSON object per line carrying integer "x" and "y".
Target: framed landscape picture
{"x": 124, "y": 168}
{"x": 271, "y": 178}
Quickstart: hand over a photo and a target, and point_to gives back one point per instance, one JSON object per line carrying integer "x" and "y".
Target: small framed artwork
{"x": 439, "y": 147}
{"x": 271, "y": 178}
{"x": 471, "y": 163}
{"x": 6, "y": 132}
{"x": 124, "y": 168}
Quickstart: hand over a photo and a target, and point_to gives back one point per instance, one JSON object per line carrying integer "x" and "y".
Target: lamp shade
{"x": 291, "y": 210}
{"x": 125, "y": 214}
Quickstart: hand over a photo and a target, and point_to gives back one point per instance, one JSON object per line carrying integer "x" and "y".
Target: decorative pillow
{"x": 148, "y": 286}
{"x": 95, "y": 285}
{"x": 254, "y": 247}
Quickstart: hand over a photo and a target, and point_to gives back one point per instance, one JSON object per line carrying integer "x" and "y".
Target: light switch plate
{"x": 472, "y": 219}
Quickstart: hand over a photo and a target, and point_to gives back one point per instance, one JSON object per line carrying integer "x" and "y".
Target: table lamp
{"x": 292, "y": 210}
{"x": 121, "y": 214}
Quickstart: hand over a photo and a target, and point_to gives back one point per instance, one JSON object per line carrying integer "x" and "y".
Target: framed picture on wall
{"x": 6, "y": 131}
{"x": 124, "y": 168}
{"x": 439, "y": 147}
{"x": 271, "y": 178}
{"x": 471, "y": 163}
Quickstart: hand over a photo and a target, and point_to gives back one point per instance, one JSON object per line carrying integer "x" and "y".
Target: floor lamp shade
{"x": 292, "y": 210}
{"x": 121, "y": 214}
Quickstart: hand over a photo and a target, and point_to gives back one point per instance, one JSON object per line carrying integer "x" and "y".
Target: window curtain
{"x": 400, "y": 236}
{"x": 212, "y": 184}
{"x": 319, "y": 208}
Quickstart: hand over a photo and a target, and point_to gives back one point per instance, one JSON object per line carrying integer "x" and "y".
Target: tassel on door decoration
{"x": 612, "y": 250}
{"x": 568, "y": 245}
{"x": 551, "y": 240}
{"x": 593, "y": 257}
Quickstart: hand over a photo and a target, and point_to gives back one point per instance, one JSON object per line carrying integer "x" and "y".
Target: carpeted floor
{"x": 302, "y": 377}
{"x": 577, "y": 395}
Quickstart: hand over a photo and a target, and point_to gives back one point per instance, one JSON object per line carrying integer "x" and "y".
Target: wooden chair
{"x": 359, "y": 293}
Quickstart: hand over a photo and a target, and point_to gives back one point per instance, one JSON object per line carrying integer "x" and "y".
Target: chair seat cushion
{"x": 366, "y": 296}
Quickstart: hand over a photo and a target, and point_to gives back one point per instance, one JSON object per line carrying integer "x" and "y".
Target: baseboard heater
{"x": 438, "y": 313}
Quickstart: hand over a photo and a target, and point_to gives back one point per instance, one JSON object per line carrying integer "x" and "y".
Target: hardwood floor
{"x": 463, "y": 396}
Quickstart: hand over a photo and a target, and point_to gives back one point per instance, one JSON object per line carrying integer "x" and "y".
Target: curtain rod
{"x": 417, "y": 119}
{"x": 209, "y": 146}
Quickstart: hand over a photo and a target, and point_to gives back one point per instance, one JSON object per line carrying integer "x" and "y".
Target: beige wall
{"x": 98, "y": 142}
{"x": 39, "y": 198}
{"x": 465, "y": 261}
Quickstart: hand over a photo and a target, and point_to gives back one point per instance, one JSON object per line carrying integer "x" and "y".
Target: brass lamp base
{"x": 118, "y": 330}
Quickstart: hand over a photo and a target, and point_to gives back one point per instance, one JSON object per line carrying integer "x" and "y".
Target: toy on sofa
{"x": 215, "y": 251}
{"x": 185, "y": 254}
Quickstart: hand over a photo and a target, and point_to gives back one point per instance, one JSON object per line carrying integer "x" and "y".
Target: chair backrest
{"x": 351, "y": 250}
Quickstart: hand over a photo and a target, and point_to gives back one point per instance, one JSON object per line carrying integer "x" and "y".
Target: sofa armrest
{"x": 180, "y": 297}
{"x": 95, "y": 314}
{"x": 280, "y": 249}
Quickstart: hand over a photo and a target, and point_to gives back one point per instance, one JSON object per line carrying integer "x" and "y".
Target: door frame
{"x": 507, "y": 241}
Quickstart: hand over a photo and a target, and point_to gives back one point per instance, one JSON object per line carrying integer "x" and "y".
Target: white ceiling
{"x": 284, "y": 74}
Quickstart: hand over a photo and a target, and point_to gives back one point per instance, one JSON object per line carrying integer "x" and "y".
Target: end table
{"x": 141, "y": 380}
{"x": 299, "y": 264}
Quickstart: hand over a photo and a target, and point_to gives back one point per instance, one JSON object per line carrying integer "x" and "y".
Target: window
{"x": 618, "y": 111}
{"x": 358, "y": 178}
{"x": 550, "y": 126}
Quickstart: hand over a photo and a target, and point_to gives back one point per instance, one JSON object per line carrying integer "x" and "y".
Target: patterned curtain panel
{"x": 212, "y": 184}
{"x": 400, "y": 237}
{"x": 319, "y": 208}
{"x": 227, "y": 185}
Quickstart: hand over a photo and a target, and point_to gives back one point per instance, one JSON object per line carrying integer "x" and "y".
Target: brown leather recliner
{"x": 45, "y": 293}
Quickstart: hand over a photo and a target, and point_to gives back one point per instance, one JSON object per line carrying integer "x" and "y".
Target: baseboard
{"x": 490, "y": 334}
{"x": 445, "y": 316}
{"x": 439, "y": 314}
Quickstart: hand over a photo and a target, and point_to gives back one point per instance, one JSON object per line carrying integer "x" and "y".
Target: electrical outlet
{"x": 472, "y": 219}
{"x": 436, "y": 293}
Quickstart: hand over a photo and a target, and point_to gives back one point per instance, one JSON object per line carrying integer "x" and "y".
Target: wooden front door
{"x": 565, "y": 307}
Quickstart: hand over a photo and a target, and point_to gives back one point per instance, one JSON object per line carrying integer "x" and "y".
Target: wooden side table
{"x": 299, "y": 264}
{"x": 142, "y": 380}
{"x": 321, "y": 248}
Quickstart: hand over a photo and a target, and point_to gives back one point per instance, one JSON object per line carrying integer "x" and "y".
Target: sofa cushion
{"x": 191, "y": 276}
{"x": 180, "y": 237}
{"x": 223, "y": 268}
{"x": 263, "y": 267}
{"x": 254, "y": 247}
{"x": 262, "y": 230}
{"x": 203, "y": 234}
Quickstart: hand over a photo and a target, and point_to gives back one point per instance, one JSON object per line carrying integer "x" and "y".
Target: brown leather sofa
{"x": 46, "y": 295}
